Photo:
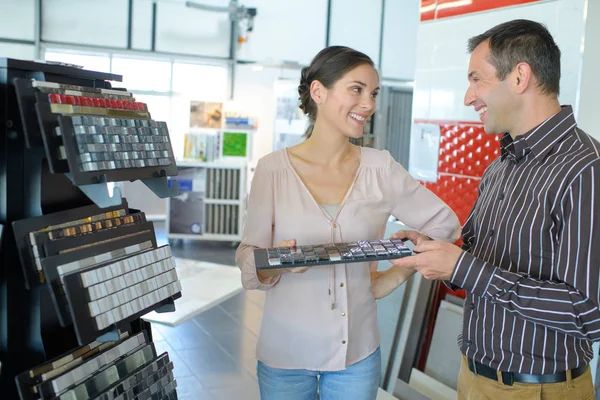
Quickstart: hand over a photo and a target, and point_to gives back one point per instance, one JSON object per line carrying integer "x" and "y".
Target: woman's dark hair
{"x": 527, "y": 41}
{"x": 327, "y": 67}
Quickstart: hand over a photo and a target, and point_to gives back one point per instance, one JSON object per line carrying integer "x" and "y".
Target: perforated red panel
{"x": 465, "y": 152}
{"x": 465, "y": 149}
{"x": 459, "y": 193}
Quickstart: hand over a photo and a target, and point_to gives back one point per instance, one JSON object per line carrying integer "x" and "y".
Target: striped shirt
{"x": 532, "y": 259}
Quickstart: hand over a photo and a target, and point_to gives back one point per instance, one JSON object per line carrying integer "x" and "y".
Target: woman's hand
{"x": 291, "y": 243}
{"x": 385, "y": 282}
{"x": 267, "y": 275}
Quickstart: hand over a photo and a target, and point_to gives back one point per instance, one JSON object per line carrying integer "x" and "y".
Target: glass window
{"x": 158, "y": 106}
{"x": 93, "y": 63}
{"x": 180, "y": 122}
{"x": 202, "y": 82}
{"x": 143, "y": 74}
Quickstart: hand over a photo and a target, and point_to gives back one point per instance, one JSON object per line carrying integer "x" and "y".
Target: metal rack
{"x": 35, "y": 182}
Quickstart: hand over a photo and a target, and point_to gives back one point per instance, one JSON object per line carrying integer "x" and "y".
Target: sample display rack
{"x": 78, "y": 267}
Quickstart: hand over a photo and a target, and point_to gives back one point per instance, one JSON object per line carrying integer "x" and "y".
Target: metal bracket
{"x": 98, "y": 193}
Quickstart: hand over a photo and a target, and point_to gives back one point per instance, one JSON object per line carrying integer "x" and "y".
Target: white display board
{"x": 424, "y": 152}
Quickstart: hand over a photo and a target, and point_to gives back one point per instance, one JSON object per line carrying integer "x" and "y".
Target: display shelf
{"x": 212, "y": 202}
{"x": 64, "y": 134}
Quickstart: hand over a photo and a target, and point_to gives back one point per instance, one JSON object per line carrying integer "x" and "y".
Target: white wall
{"x": 141, "y": 26}
{"x": 179, "y": 29}
{"x": 19, "y": 51}
{"x": 192, "y": 31}
{"x": 442, "y": 59}
{"x": 587, "y": 118}
{"x": 286, "y": 30}
{"x": 399, "y": 48}
{"x": 92, "y": 22}
{"x": 17, "y": 19}
{"x": 357, "y": 24}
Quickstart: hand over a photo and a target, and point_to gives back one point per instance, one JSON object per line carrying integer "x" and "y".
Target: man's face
{"x": 491, "y": 97}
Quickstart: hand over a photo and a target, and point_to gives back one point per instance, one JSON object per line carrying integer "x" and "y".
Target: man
{"x": 531, "y": 258}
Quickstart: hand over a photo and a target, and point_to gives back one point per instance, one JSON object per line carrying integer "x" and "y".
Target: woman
{"x": 319, "y": 326}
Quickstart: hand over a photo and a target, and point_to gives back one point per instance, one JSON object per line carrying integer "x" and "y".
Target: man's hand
{"x": 415, "y": 237}
{"x": 435, "y": 259}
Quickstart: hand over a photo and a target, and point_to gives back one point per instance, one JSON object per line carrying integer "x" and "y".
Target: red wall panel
{"x": 428, "y": 9}
{"x": 465, "y": 152}
{"x": 436, "y": 9}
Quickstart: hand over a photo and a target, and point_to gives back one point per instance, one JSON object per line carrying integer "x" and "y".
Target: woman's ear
{"x": 318, "y": 92}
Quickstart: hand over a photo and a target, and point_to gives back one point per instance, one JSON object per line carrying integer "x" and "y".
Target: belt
{"x": 509, "y": 377}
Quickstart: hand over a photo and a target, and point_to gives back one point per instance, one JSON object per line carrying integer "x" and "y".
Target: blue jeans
{"x": 359, "y": 381}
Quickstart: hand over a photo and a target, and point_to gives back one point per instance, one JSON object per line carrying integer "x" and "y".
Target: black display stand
{"x": 30, "y": 329}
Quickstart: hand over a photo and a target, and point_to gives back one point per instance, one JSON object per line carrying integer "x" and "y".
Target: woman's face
{"x": 348, "y": 104}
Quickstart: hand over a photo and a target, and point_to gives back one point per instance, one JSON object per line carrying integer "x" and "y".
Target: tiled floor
{"x": 213, "y": 353}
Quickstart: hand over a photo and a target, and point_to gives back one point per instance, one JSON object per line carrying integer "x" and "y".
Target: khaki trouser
{"x": 471, "y": 387}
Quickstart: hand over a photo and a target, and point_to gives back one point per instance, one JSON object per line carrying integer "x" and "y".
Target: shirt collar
{"x": 539, "y": 140}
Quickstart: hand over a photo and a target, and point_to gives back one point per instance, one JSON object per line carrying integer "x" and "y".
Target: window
{"x": 99, "y": 63}
{"x": 159, "y": 106}
{"x": 146, "y": 75}
{"x": 201, "y": 82}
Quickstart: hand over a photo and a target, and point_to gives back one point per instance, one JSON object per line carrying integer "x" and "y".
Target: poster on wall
{"x": 290, "y": 121}
{"x": 424, "y": 152}
{"x": 235, "y": 144}
{"x": 205, "y": 114}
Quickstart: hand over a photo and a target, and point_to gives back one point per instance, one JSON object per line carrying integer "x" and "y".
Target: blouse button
{"x": 343, "y": 342}
{"x": 342, "y": 284}
{"x": 343, "y": 314}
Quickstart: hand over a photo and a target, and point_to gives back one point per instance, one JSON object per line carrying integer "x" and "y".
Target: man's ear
{"x": 522, "y": 77}
{"x": 318, "y": 92}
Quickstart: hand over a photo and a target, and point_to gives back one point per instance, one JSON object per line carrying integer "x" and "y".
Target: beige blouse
{"x": 326, "y": 319}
